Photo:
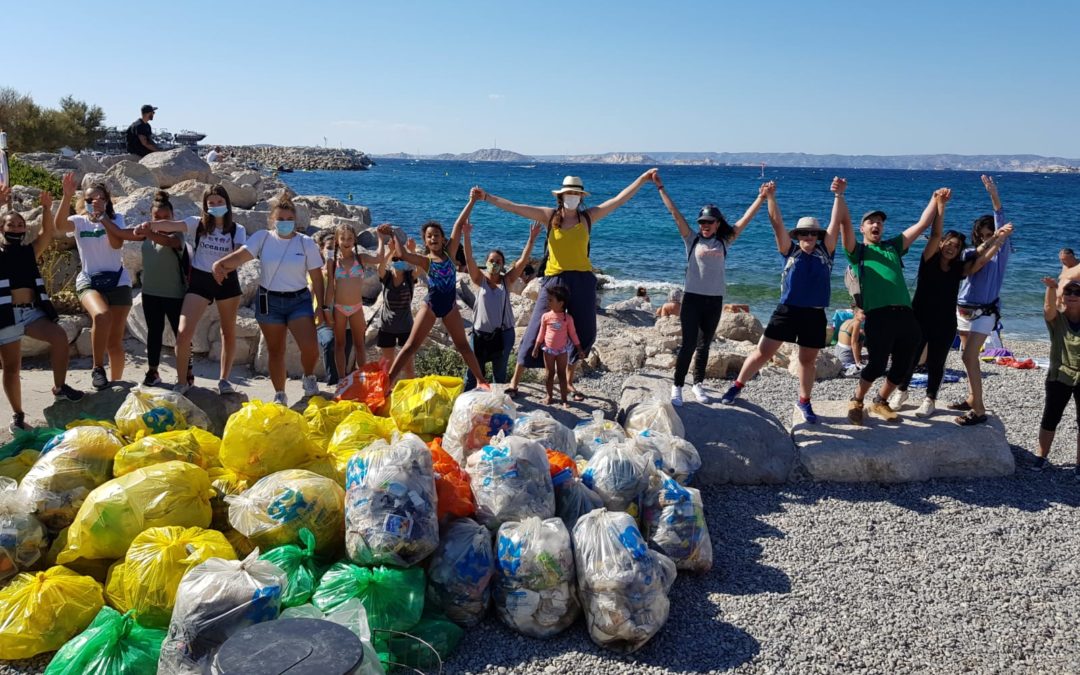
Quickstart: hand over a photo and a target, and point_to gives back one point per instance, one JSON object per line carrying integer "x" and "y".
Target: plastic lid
{"x": 293, "y": 646}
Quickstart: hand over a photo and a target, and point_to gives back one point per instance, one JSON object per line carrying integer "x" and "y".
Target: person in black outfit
{"x": 140, "y": 137}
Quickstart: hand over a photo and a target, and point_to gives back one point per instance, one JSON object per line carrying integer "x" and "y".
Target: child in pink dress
{"x": 556, "y": 338}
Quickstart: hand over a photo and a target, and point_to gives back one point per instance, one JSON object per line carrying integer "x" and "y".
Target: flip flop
{"x": 970, "y": 419}
{"x": 577, "y": 395}
{"x": 511, "y": 392}
{"x": 962, "y": 406}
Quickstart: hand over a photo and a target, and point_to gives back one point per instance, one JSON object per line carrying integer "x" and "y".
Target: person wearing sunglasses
{"x": 1063, "y": 376}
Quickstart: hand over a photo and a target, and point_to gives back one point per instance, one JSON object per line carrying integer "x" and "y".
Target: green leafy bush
{"x": 34, "y": 176}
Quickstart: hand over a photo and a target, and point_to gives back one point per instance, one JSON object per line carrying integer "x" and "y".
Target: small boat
{"x": 284, "y": 169}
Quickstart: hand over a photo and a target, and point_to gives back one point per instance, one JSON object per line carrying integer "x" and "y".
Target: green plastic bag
{"x": 113, "y": 644}
{"x": 442, "y": 634}
{"x": 298, "y": 564}
{"x": 31, "y": 439}
{"x": 393, "y": 598}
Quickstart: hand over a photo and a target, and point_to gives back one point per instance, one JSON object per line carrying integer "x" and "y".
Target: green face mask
{"x": 494, "y": 268}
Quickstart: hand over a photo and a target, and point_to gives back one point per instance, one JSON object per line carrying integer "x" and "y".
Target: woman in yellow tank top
{"x": 566, "y": 261}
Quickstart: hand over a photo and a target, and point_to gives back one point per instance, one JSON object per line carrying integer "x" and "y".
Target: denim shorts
{"x": 24, "y": 316}
{"x": 283, "y": 310}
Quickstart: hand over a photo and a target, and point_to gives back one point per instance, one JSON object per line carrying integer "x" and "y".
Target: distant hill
{"x": 482, "y": 155}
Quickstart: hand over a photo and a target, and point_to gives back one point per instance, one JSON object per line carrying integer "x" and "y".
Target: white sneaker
{"x": 701, "y": 395}
{"x": 927, "y": 408}
{"x": 311, "y": 385}
{"x": 676, "y": 396}
{"x": 182, "y": 388}
{"x": 281, "y": 399}
{"x": 898, "y": 399}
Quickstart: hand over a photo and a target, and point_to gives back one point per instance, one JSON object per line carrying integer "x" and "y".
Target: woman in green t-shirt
{"x": 1063, "y": 377}
{"x": 163, "y": 283}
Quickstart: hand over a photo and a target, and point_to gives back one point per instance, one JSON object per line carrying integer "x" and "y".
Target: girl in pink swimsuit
{"x": 556, "y": 339}
{"x": 344, "y": 293}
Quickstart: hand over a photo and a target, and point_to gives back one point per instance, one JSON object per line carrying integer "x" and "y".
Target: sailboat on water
{"x": 763, "y": 169}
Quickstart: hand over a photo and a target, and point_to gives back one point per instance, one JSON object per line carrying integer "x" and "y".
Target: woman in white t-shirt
{"x": 103, "y": 285}
{"x": 284, "y": 303}
{"x": 212, "y": 237}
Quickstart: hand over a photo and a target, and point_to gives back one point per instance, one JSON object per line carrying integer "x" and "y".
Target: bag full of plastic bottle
{"x": 674, "y": 522}
{"x": 547, "y": 431}
{"x": 23, "y": 540}
{"x": 619, "y": 474}
{"x": 593, "y": 433}
{"x": 535, "y": 579}
{"x": 511, "y": 480}
{"x": 675, "y": 456}
{"x": 653, "y": 414}
{"x": 477, "y": 416}
{"x": 460, "y": 572}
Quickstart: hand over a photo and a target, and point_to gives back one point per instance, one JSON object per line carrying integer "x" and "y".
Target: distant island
{"x": 1027, "y": 163}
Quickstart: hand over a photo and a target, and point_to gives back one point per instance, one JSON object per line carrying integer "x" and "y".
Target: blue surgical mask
{"x": 400, "y": 265}
{"x": 217, "y": 211}
{"x": 90, "y": 208}
{"x": 285, "y": 227}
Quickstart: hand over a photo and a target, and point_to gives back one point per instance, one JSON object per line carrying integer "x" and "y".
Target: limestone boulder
{"x": 217, "y": 407}
{"x": 827, "y": 365}
{"x": 522, "y": 308}
{"x": 244, "y": 354}
{"x": 136, "y": 206}
{"x": 532, "y": 289}
{"x": 31, "y": 348}
{"x": 99, "y": 405}
{"x": 361, "y": 213}
{"x": 200, "y": 342}
{"x": 130, "y": 176}
{"x": 632, "y": 312}
{"x": 619, "y": 353}
{"x": 176, "y": 166}
{"x": 742, "y": 326}
{"x": 662, "y": 361}
{"x": 245, "y": 177}
{"x": 321, "y": 205}
{"x": 192, "y": 189}
{"x": 73, "y": 325}
{"x": 726, "y": 358}
{"x": 111, "y": 184}
{"x": 913, "y": 450}
{"x": 293, "y": 366}
{"x": 88, "y": 163}
{"x": 131, "y": 254}
{"x": 249, "y": 274}
{"x": 252, "y": 220}
{"x": 109, "y": 160}
{"x": 241, "y": 196}
{"x": 84, "y": 344}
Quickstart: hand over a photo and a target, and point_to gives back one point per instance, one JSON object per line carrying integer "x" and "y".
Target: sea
{"x": 639, "y": 244}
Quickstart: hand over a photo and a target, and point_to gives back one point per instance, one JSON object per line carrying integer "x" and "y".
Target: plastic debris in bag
{"x": 73, "y": 464}
{"x": 592, "y": 434}
{"x": 391, "y": 513}
{"x": 23, "y": 540}
{"x": 298, "y": 564}
{"x": 215, "y": 600}
{"x": 17, "y": 466}
{"x": 675, "y": 456}
{"x": 535, "y": 581}
{"x": 145, "y": 581}
{"x": 451, "y": 485}
{"x": 618, "y": 473}
{"x": 393, "y": 598}
{"x": 511, "y": 480}
{"x": 369, "y": 385}
{"x": 144, "y": 413}
{"x": 353, "y": 616}
{"x": 359, "y": 430}
{"x": 181, "y": 446}
{"x": 623, "y": 584}
{"x": 323, "y": 418}
{"x": 562, "y": 466}
{"x": 264, "y": 438}
{"x": 477, "y": 416}
{"x": 173, "y": 493}
{"x": 460, "y": 572}
{"x": 423, "y": 405}
{"x": 277, "y": 507}
{"x": 653, "y": 414}
{"x": 28, "y": 439}
{"x": 547, "y": 431}
{"x": 113, "y": 644}
{"x": 573, "y": 500}
{"x": 40, "y": 611}
{"x": 674, "y": 522}
{"x": 98, "y": 570}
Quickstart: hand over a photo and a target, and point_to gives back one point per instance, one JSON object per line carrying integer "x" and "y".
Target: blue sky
{"x": 565, "y": 78}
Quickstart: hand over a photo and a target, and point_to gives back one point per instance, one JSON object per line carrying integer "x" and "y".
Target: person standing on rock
{"x": 1063, "y": 376}
{"x": 103, "y": 285}
{"x": 25, "y": 308}
{"x": 703, "y": 299}
{"x": 805, "y": 289}
{"x": 284, "y": 302}
{"x": 566, "y": 263}
{"x": 892, "y": 331}
{"x": 140, "y": 137}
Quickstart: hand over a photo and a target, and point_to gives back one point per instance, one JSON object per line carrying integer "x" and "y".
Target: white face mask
{"x": 571, "y": 202}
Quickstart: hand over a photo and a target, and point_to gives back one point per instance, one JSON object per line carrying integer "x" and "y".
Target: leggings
{"x": 699, "y": 317}
{"x": 890, "y": 332}
{"x": 1057, "y": 397}
{"x": 156, "y": 309}
{"x": 937, "y": 340}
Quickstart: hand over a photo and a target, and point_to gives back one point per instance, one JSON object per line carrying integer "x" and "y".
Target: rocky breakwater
{"x": 298, "y": 157}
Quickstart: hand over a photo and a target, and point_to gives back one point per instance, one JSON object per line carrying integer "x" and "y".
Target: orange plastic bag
{"x": 451, "y": 485}
{"x": 369, "y": 385}
{"x": 560, "y": 462}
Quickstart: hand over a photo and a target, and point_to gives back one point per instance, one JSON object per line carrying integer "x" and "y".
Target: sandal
{"x": 962, "y": 406}
{"x": 577, "y": 396}
{"x": 511, "y": 392}
{"x": 970, "y": 418}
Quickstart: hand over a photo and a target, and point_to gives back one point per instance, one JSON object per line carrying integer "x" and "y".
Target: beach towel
{"x": 951, "y": 375}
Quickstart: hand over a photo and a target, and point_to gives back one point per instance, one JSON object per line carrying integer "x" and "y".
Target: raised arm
{"x": 847, "y": 228}
{"x": 604, "y": 210}
{"x": 384, "y": 251}
{"x": 61, "y": 222}
{"x": 1050, "y": 310}
{"x": 840, "y": 214}
{"x": 988, "y": 249}
{"x": 47, "y": 225}
{"x": 420, "y": 261}
{"x": 455, "y": 233}
{"x": 995, "y": 200}
{"x": 741, "y": 223}
{"x": 470, "y": 262}
{"x": 540, "y": 213}
{"x": 680, "y": 222}
{"x": 518, "y": 267}
{"x": 368, "y": 259}
{"x": 941, "y": 197}
{"x": 783, "y": 239}
{"x": 925, "y": 221}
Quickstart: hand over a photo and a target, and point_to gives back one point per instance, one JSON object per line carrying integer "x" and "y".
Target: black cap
{"x": 148, "y": 108}
{"x": 871, "y": 214}
{"x": 709, "y": 212}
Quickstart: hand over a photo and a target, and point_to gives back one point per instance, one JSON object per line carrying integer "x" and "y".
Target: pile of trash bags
{"x": 274, "y": 510}
{"x": 511, "y": 480}
{"x": 535, "y": 579}
{"x": 477, "y": 416}
{"x": 592, "y": 434}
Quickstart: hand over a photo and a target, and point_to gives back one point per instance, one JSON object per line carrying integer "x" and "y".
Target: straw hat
{"x": 809, "y": 225}
{"x": 571, "y": 184}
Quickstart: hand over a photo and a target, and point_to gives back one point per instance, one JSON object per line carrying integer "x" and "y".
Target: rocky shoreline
{"x": 306, "y": 158}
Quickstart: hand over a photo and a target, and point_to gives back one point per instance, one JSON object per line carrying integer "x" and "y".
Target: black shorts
{"x": 386, "y": 340}
{"x": 203, "y": 285}
{"x": 805, "y": 326}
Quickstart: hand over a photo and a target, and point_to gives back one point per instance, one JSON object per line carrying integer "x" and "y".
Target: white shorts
{"x": 983, "y": 325}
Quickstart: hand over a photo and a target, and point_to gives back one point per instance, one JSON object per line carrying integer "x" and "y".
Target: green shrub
{"x": 433, "y": 359}
{"x": 34, "y": 176}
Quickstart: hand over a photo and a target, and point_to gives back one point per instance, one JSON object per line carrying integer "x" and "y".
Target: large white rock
{"x": 73, "y": 324}
{"x": 192, "y": 189}
{"x": 136, "y": 207}
{"x": 200, "y": 342}
{"x": 292, "y": 359}
{"x": 827, "y": 365}
{"x": 726, "y": 358}
{"x": 175, "y": 166}
{"x": 619, "y": 353}
{"x": 241, "y": 196}
{"x": 109, "y": 160}
{"x": 246, "y": 177}
{"x": 130, "y": 176}
{"x": 321, "y": 205}
{"x": 532, "y": 289}
{"x": 915, "y": 449}
{"x": 249, "y": 274}
{"x": 252, "y": 220}
{"x": 739, "y": 326}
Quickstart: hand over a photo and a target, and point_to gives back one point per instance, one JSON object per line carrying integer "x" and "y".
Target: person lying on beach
{"x": 1063, "y": 376}
{"x": 849, "y": 345}
{"x": 673, "y": 306}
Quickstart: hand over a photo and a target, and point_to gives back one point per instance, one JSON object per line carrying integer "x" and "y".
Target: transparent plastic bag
{"x": 23, "y": 540}
{"x": 172, "y": 493}
{"x": 623, "y": 585}
{"x": 323, "y": 418}
{"x": 674, "y": 522}
{"x": 40, "y": 611}
{"x": 511, "y": 480}
{"x": 301, "y": 571}
{"x": 145, "y": 581}
{"x": 573, "y": 500}
{"x": 215, "y": 600}
{"x": 460, "y": 572}
{"x": 182, "y": 446}
{"x": 422, "y": 406}
{"x": 28, "y": 439}
{"x": 535, "y": 579}
{"x": 17, "y": 466}
{"x": 618, "y": 473}
{"x": 72, "y": 464}
{"x": 274, "y": 510}
{"x": 113, "y": 644}
{"x": 391, "y": 506}
{"x": 675, "y": 456}
{"x": 355, "y": 433}
{"x": 353, "y": 616}
{"x": 264, "y": 438}
{"x": 547, "y": 431}
{"x": 393, "y": 598}
{"x": 477, "y": 416}
{"x": 592, "y": 434}
{"x": 451, "y": 485}
{"x": 656, "y": 415}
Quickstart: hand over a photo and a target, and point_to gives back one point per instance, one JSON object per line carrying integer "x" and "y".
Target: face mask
{"x": 571, "y": 202}
{"x": 285, "y": 227}
{"x": 90, "y": 209}
{"x": 494, "y": 268}
{"x": 14, "y": 238}
{"x": 217, "y": 211}
{"x": 400, "y": 265}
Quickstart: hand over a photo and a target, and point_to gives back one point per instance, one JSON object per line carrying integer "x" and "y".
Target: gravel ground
{"x": 940, "y": 576}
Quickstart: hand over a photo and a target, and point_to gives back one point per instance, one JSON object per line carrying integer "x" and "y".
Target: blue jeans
{"x": 283, "y": 310}
{"x": 498, "y": 361}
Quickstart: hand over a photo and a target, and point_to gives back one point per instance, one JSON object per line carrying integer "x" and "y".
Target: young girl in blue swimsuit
{"x": 442, "y": 293}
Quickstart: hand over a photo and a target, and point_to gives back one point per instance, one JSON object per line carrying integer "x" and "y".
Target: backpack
{"x": 853, "y": 280}
{"x": 542, "y": 267}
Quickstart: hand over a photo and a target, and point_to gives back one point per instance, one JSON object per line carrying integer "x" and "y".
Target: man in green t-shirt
{"x": 891, "y": 329}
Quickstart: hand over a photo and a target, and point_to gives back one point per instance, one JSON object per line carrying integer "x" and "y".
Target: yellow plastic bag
{"x": 147, "y": 578}
{"x": 71, "y": 465}
{"x": 323, "y": 417}
{"x": 423, "y": 406}
{"x": 142, "y": 414}
{"x": 40, "y": 611}
{"x": 182, "y": 446}
{"x": 210, "y": 444}
{"x": 173, "y": 493}
{"x": 17, "y": 466}
{"x": 104, "y": 424}
{"x": 224, "y": 482}
{"x": 263, "y": 438}
{"x": 359, "y": 430}
{"x": 97, "y": 569}
{"x": 276, "y": 508}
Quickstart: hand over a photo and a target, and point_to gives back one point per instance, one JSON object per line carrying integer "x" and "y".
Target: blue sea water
{"x": 639, "y": 244}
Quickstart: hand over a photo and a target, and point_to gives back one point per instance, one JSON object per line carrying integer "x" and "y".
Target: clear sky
{"x": 555, "y": 77}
